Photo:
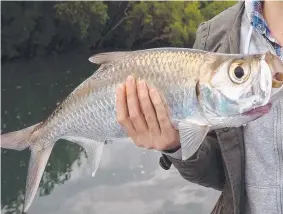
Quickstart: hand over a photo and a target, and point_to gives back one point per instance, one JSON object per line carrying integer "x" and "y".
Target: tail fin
{"x": 37, "y": 164}
{"x": 17, "y": 140}
{"x": 20, "y": 140}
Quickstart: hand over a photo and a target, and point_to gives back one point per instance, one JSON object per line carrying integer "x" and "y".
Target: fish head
{"x": 239, "y": 84}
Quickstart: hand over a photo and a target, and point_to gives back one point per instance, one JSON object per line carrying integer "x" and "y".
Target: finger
{"x": 122, "y": 114}
{"x": 135, "y": 113}
{"x": 148, "y": 109}
{"x": 161, "y": 112}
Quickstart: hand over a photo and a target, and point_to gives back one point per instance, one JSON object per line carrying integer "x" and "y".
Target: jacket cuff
{"x": 176, "y": 155}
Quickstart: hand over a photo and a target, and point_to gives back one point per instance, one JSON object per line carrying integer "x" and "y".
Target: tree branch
{"x": 164, "y": 36}
{"x": 115, "y": 26}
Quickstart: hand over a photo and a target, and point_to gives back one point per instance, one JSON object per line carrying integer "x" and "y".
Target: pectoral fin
{"x": 192, "y": 135}
{"x": 93, "y": 150}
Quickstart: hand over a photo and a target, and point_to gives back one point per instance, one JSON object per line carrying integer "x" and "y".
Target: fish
{"x": 203, "y": 90}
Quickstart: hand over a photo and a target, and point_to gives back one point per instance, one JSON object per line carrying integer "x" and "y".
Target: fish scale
{"x": 153, "y": 75}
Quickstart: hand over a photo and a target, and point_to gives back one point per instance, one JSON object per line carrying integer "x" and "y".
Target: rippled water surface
{"x": 129, "y": 180}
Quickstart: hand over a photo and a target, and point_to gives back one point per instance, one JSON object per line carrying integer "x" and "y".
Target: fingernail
{"x": 130, "y": 79}
{"x": 141, "y": 83}
{"x": 120, "y": 87}
{"x": 153, "y": 92}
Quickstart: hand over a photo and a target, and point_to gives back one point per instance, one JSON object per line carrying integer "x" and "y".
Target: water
{"x": 129, "y": 179}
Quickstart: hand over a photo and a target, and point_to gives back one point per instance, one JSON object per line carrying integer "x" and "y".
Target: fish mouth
{"x": 277, "y": 80}
{"x": 259, "y": 110}
{"x": 276, "y": 68}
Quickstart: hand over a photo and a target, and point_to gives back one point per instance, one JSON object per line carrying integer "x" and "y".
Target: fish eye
{"x": 239, "y": 71}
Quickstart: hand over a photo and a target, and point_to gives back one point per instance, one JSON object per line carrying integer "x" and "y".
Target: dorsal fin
{"x": 103, "y": 58}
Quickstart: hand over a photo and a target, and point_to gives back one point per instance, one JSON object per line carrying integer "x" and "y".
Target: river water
{"x": 129, "y": 179}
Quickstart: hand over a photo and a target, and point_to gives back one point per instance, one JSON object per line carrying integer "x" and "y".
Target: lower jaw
{"x": 259, "y": 110}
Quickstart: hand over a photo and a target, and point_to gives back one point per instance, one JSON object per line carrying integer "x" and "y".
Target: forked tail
{"x": 19, "y": 140}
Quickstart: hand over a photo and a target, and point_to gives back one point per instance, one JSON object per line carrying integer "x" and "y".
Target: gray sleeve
{"x": 205, "y": 167}
{"x": 176, "y": 154}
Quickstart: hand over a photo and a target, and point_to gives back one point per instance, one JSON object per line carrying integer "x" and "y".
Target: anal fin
{"x": 192, "y": 135}
{"x": 93, "y": 150}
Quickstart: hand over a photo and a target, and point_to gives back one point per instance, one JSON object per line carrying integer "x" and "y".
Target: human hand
{"x": 143, "y": 115}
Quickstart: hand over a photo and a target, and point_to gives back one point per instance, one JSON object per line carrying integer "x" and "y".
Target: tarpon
{"x": 203, "y": 90}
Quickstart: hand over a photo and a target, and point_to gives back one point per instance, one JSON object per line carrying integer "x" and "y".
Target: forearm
{"x": 205, "y": 167}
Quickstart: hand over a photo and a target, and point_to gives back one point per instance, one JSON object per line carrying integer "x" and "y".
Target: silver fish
{"x": 203, "y": 90}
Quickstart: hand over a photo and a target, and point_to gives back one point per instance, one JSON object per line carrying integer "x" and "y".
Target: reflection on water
{"x": 129, "y": 179}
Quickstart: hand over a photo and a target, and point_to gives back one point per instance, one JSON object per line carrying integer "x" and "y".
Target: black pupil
{"x": 239, "y": 72}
